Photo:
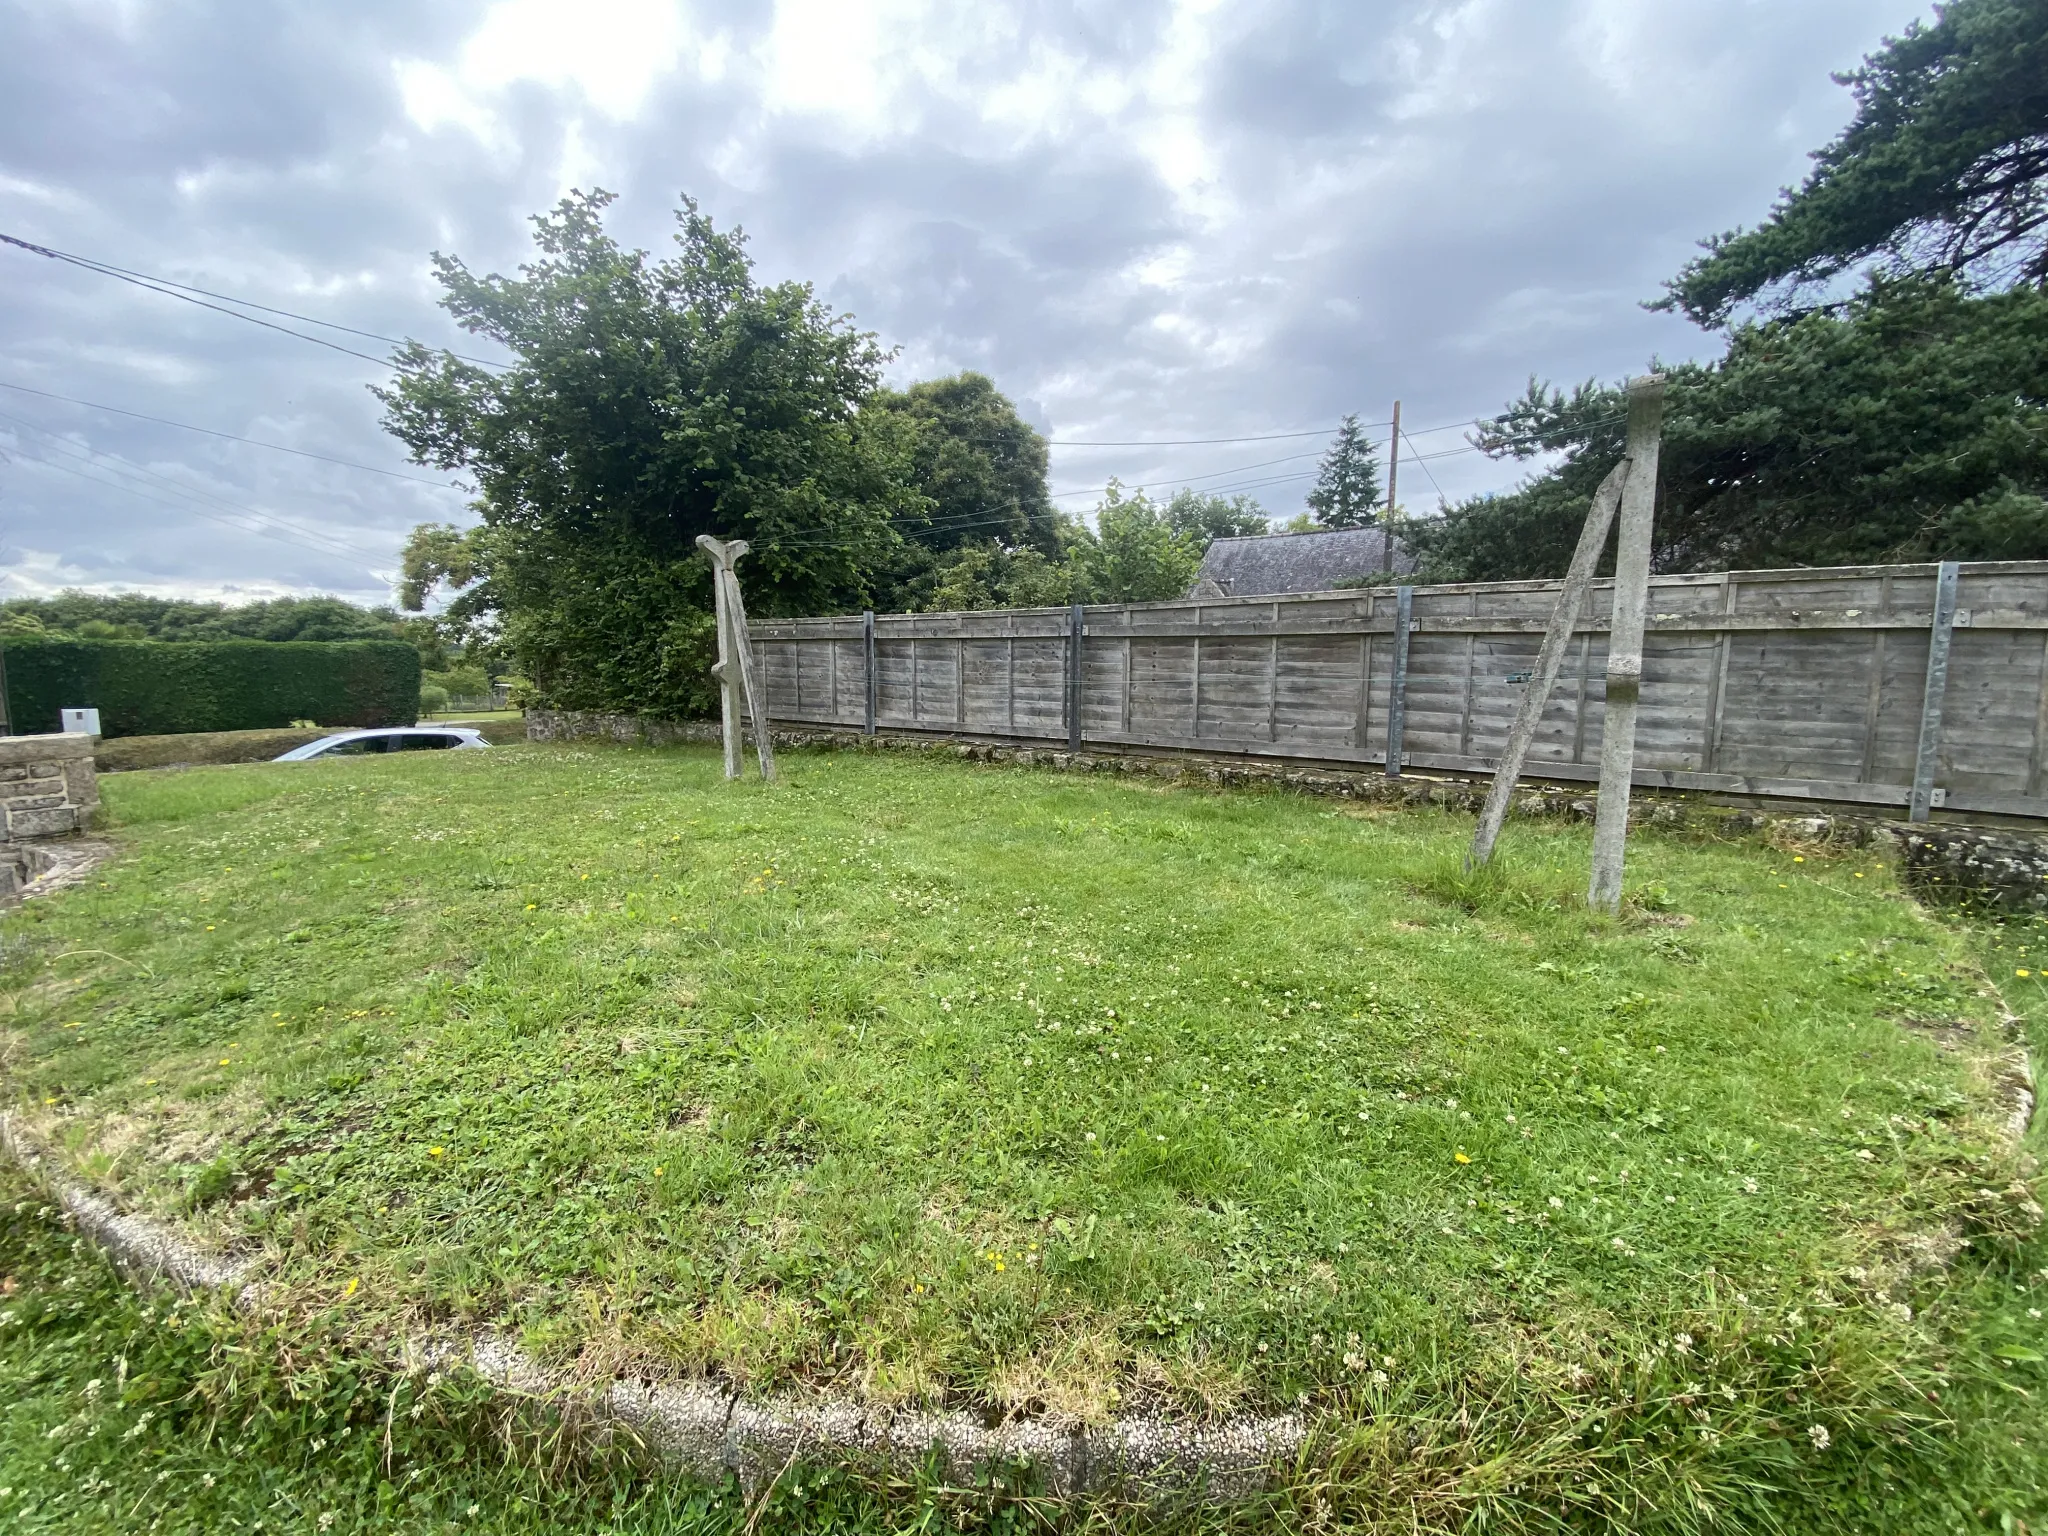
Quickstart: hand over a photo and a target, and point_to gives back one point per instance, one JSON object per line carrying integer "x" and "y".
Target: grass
{"x": 937, "y": 1084}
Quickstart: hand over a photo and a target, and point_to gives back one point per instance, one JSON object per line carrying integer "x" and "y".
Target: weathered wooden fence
{"x": 1845, "y": 684}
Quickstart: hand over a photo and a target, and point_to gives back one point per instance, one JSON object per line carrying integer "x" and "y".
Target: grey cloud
{"x": 1424, "y": 199}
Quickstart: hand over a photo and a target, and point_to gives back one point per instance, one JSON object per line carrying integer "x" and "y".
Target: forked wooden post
{"x": 1625, "y": 642}
{"x": 737, "y": 676}
{"x": 1571, "y": 602}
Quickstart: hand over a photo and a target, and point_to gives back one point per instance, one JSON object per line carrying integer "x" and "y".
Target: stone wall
{"x": 47, "y": 786}
{"x": 2001, "y": 870}
{"x": 589, "y": 725}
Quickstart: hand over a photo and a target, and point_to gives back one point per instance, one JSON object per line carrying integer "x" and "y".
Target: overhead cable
{"x": 172, "y": 290}
{"x": 232, "y": 437}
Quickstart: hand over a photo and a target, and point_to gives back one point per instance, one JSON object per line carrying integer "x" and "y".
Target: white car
{"x": 390, "y": 738}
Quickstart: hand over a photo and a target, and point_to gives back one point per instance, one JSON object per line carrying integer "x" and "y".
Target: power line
{"x": 1418, "y": 458}
{"x": 171, "y": 290}
{"x": 67, "y": 469}
{"x": 1189, "y": 442}
{"x": 267, "y": 521}
{"x": 186, "y": 426}
{"x": 1189, "y": 480}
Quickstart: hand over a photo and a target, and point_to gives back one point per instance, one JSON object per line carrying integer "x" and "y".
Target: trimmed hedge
{"x": 155, "y": 687}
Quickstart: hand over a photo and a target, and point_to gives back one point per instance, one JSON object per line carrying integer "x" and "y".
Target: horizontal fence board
{"x": 1802, "y": 683}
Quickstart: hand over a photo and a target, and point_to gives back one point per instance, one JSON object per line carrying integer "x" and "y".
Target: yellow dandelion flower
{"x": 435, "y": 1151}
{"x": 225, "y": 1062}
{"x": 657, "y": 1173}
{"x": 350, "y": 1289}
{"x": 1459, "y": 1157}
{"x": 2022, "y": 973}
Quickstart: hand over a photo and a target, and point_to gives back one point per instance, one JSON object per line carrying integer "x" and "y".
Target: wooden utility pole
{"x": 738, "y": 680}
{"x": 1571, "y": 602}
{"x": 1393, "y": 482}
{"x": 1625, "y": 641}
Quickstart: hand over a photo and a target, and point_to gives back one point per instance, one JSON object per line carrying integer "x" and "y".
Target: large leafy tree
{"x": 648, "y": 402}
{"x": 1944, "y": 167}
{"x": 1347, "y": 489}
{"x": 979, "y": 464}
{"x": 1907, "y": 421}
{"x": 1911, "y": 424}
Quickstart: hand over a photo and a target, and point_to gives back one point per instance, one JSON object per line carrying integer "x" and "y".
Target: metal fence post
{"x": 867, "y": 645}
{"x": 1943, "y": 626}
{"x": 1074, "y": 622}
{"x": 1397, "y": 684}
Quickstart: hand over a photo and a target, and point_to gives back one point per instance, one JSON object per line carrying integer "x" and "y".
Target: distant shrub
{"x": 152, "y": 687}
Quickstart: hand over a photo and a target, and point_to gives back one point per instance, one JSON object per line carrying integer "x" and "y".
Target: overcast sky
{"x": 1144, "y": 220}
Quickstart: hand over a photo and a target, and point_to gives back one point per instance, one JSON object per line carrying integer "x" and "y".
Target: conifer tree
{"x": 1347, "y": 488}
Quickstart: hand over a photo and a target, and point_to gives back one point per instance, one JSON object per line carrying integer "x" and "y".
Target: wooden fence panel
{"x": 1803, "y": 682}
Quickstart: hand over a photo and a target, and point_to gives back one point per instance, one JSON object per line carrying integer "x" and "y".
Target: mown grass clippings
{"x": 950, "y": 1086}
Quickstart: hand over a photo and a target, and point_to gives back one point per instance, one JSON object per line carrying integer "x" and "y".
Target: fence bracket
{"x": 867, "y": 650}
{"x": 1074, "y": 629}
{"x": 1928, "y": 759}
{"x": 1397, "y": 684}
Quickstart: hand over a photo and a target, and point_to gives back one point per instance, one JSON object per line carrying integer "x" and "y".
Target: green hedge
{"x": 154, "y": 687}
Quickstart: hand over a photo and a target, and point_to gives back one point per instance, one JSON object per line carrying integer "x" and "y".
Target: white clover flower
{"x": 1818, "y": 1434}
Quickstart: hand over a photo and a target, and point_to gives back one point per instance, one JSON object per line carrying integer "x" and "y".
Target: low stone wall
{"x": 588, "y": 725}
{"x": 47, "y": 786}
{"x": 1964, "y": 865}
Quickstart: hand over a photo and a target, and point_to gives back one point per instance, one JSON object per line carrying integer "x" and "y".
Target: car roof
{"x": 402, "y": 730}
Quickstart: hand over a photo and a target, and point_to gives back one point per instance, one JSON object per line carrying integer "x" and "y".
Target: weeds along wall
{"x": 1859, "y": 685}
{"x": 152, "y": 687}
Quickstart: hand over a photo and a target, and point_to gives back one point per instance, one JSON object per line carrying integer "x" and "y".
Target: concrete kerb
{"x": 710, "y": 1431}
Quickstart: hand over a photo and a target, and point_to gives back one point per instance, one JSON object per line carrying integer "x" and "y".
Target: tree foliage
{"x": 1943, "y": 168}
{"x": 1347, "y": 489}
{"x": 650, "y": 402}
{"x": 1911, "y": 425}
{"x": 1138, "y": 551}
{"x": 1136, "y": 554}
{"x": 1204, "y": 518}
{"x": 979, "y": 465}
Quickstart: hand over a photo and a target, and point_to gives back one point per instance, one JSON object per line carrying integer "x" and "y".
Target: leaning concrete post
{"x": 750, "y": 675}
{"x": 1571, "y": 601}
{"x": 723, "y": 669}
{"x": 737, "y": 678}
{"x": 1625, "y": 641}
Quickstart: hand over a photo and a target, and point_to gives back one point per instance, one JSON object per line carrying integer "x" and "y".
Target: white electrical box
{"x": 81, "y": 722}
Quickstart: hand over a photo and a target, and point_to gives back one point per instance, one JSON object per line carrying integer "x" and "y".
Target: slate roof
{"x": 1293, "y": 562}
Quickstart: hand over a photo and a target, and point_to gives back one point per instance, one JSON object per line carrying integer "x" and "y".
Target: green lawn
{"x": 938, "y": 1084}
